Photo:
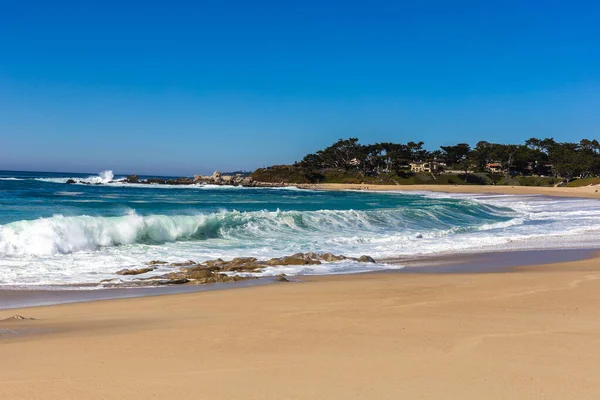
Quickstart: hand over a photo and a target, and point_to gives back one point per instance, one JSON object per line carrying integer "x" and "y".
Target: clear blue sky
{"x": 179, "y": 88}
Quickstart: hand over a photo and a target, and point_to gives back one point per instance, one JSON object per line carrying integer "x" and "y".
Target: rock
{"x": 135, "y": 271}
{"x": 200, "y": 267}
{"x": 157, "y": 262}
{"x": 311, "y": 256}
{"x": 183, "y": 264}
{"x": 243, "y": 260}
{"x": 331, "y": 257}
{"x": 287, "y": 260}
{"x": 218, "y": 263}
{"x": 247, "y": 181}
{"x": 71, "y": 181}
{"x": 281, "y": 278}
{"x": 156, "y": 181}
{"x": 180, "y": 181}
{"x": 175, "y": 281}
{"x": 198, "y": 273}
{"x": 132, "y": 179}
{"x": 212, "y": 271}
{"x": 366, "y": 259}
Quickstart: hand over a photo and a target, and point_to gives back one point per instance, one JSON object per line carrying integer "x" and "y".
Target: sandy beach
{"x": 526, "y": 334}
{"x": 591, "y": 192}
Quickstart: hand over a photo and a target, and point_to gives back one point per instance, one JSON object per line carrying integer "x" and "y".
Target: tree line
{"x": 535, "y": 157}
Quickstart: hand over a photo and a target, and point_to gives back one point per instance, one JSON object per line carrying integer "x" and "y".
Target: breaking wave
{"x": 70, "y": 234}
{"x": 103, "y": 177}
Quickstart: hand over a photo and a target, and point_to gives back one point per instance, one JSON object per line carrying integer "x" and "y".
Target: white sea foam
{"x": 78, "y": 249}
{"x": 103, "y": 177}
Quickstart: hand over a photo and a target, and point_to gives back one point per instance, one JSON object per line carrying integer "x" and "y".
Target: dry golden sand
{"x": 530, "y": 334}
{"x": 584, "y": 191}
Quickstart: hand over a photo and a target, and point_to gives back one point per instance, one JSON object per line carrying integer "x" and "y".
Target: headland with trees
{"x": 537, "y": 162}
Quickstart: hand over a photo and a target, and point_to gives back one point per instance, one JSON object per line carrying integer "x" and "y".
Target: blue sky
{"x": 181, "y": 88}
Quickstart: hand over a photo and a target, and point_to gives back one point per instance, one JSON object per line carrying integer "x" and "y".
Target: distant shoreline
{"x": 590, "y": 192}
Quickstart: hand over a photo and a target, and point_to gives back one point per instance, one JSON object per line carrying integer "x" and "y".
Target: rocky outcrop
{"x": 198, "y": 276}
{"x": 132, "y": 179}
{"x": 180, "y": 181}
{"x": 156, "y": 181}
{"x": 292, "y": 260}
{"x": 217, "y": 178}
{"x": 240, "y": 268}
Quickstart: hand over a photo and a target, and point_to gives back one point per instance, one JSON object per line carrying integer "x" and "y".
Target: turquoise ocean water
{"x": 55, "y": 233}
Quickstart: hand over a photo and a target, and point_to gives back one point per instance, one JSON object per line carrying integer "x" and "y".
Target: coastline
{"x": 12, "y": 298}
{"x": 382, "y": 335}
{"x": 591, "y": 192}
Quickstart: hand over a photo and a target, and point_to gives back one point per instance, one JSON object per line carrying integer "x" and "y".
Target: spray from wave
{"x": 103, "y": 177}
{"x": 64, "y": 235}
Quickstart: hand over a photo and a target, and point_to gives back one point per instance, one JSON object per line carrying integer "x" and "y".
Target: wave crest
{"x": 103, "y": 177}
{"x": 69, "y": 234}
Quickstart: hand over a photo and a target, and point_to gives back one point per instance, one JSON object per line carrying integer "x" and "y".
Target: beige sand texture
{"x": 529, "y": 334}
{"x": 592, "y": 192}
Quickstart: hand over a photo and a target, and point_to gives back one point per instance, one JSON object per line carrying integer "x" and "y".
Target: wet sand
{"x": 526, "y": 334}
{"x": 592, "y": 192}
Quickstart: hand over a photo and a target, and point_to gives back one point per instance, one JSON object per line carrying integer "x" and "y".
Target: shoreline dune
{"x": 527, "y": 334}
{"x": 592, "y": 192}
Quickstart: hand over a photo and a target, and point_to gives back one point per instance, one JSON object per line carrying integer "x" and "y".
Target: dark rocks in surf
{"x": 221, "y": 271}
{"x": 293, "y": 260}
{"x": 366, "y": 259}
{"x": 180, "y": 181}
{"x": 198, "y": 276}
{"x": 132, "y": 179}
{"x": 217, "y": 178}
{"x": 71, "y": 181}
{"x": 331, "y": 257}
{"x": 156, "y": 181}
{"x": 157, "y": 262}
{"x": 135, "y": 271}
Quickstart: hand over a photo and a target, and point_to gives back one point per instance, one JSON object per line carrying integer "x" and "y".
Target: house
{"x": 354, "y": 162}
{"x": 494, "y": 168}
{"x": 425, "y": 166}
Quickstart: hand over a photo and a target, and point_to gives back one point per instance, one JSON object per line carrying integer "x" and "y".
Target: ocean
{"x": 54, "y": 233}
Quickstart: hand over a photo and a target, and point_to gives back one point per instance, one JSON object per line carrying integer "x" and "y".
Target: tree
{"x": 340, "y": 154}
{"x": 456, "y": 154}
{"x": 566, "y": 160}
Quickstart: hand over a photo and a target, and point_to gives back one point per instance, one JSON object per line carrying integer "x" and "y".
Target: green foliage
{"x": 538, "y": 162}
{"x": 285, "y": 174}
{"x": 456, "y": 154}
